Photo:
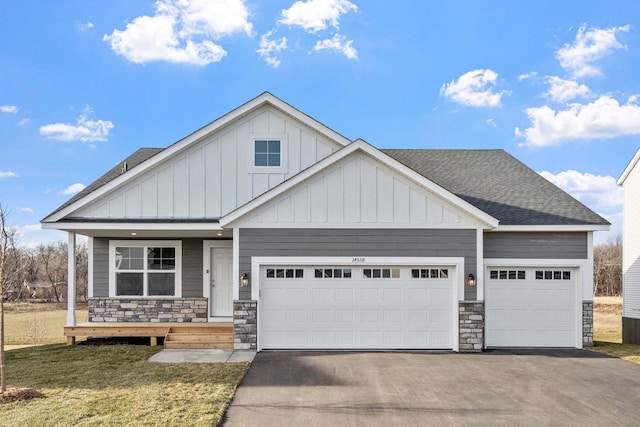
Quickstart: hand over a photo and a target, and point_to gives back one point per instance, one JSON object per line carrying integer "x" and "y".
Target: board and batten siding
{"x": 358, "y": 190}
{"x": 216, "y": 175}
{"x": 631, "y": 248}
{"x": 358, "y": 242}
{"x": 517, "y": 245}
{"x": 192, "y": 274}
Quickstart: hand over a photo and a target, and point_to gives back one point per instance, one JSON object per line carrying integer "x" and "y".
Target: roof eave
{"x": 629, "y": 168}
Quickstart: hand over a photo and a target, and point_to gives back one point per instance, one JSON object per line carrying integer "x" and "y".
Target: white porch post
{"x": 71, "y": 280}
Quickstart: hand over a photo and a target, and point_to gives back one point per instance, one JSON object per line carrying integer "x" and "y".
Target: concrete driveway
{"x": 506, "y": 387}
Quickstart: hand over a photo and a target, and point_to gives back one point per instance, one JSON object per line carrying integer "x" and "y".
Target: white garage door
{"x": 530, "y": 307}
{"x": 364, "y": 307}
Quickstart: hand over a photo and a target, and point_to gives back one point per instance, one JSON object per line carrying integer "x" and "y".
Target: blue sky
{"x": 85, "y": 83}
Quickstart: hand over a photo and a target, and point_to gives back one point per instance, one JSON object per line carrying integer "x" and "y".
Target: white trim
{"x": 587, "y": 289}
{"x": 456, "y": 262}
{"x": 629, "y": 168}
{"x": 90, "y": 268}
{"x": 71, "y": 280}
{"x": 582, "y": 265}
{"x": 207, "y": 245}
{"x": 236, "y": 264}
{"x": 482, "y": 217}
{"x": 480, "y": 265}
{"x": 145, "y": 243}
{"x": 152, "y": 226}
{"x": 542, "y": 228}
{"x": 261, "y": 100}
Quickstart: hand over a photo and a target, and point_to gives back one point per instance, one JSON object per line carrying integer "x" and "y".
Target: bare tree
{"x": 607, "y": 267}
{"x": 4, "y": 246}
{"x": 52, "y": 260}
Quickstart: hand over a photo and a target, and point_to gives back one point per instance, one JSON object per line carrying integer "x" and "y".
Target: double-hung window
{"x": 145, "y": 268}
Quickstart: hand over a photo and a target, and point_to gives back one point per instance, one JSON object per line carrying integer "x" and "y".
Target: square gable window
{"x": 267, "y": 152}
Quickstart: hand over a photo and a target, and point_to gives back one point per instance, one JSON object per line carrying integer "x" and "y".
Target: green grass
{"x": 27, "y": 323}
{"x": 114, "y": 386}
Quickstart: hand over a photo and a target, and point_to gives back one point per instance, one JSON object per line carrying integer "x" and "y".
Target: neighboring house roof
{"x": 132, "y": 161}
{"x": 632, "y": 164}
{"x": 500, "y": 185}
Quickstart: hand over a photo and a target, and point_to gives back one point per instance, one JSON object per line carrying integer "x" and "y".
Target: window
{"x": 285, "y": 273}
{"x": 429, "y": 273}
{"x": 145, "y": 268}
{"x": 381, "y": 273}
{"x": 508, "y": 274}
{"x": 267, "y": 152}
{"x": 553, "y": 275}
{"x": 335, "y": 273}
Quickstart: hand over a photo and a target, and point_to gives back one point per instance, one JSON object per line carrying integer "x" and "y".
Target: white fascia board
{"x": 629, "y": 168}
{"x": 169, "y": 226}
{"x": 487, "y": 220}
{"x": 264, "y": 99}
{"x": 551, "y": 228}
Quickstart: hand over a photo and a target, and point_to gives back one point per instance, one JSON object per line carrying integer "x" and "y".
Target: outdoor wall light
{"x": 244, "y": 280}
{"x": 471, "y": 281}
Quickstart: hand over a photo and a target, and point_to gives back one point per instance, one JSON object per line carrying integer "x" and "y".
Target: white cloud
{"x": 182, "y": 31}
{"x": 590, "y": 46}
{"x": 85, "y": 129}
{"x": 74, "y": 188}
{"x": 9, "y": 109}
{"x": 83, "y": 26}
{"x": 526, "y": 76}
{"x": 473, "y": 89}
{"x": 491, "y": 122}
{"x": 595, "y": 191}
{"x": 269, "y": 49}
{"x": 316, "y": 15}
{"x": 23, "y": 122}
{"x": 8, "y": 174}
{"x": 337, "y": 43}
{"x": 561, "y": 90}
{"x": 603, "y": 118}
{"x": 26, "y": 210}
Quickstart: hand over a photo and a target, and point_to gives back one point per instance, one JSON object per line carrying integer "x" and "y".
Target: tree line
{"x": 40, "y": 272}
{"x": 607, "y": 267}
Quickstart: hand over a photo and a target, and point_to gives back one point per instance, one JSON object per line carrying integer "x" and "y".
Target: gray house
{"x": 304, "y": 239}
{"x": 630, "y": 181}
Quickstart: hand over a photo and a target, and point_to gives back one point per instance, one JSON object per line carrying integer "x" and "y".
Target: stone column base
{"x": 471, "y": 332}
{"x": 245, "y": 325}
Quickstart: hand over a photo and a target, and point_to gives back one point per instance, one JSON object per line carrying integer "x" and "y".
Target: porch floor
{"x": 176, "y": 335}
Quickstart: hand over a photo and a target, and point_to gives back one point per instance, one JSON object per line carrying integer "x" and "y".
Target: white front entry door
{"x": 221, "y": 286}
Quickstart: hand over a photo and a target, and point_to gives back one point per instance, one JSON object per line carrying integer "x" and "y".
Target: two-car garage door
{"x": 356, "y": 307}
{"x": 530, "y": 307}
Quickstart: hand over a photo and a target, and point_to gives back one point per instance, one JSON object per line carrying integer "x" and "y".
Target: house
{"x": 307, "y": 240}
{"x": 630, "y": 182}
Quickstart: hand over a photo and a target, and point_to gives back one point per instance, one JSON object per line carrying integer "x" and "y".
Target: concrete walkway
{"x": 203, "y": 356}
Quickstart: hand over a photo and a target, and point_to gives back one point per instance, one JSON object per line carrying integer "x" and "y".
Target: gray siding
{"x": 358, "y": 242}
{"x": 535, "y": 245}
{"x": 100, "y": 267}
{"x": 191, "y": 268}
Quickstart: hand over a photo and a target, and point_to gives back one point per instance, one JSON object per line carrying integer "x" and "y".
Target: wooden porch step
{"x": 200, "y": 337}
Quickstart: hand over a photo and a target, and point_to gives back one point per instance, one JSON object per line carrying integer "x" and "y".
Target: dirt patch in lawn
{"x": 16, "y": 394}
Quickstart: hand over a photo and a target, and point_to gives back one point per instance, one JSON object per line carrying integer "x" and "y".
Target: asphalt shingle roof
{"x": 500, "y": 185}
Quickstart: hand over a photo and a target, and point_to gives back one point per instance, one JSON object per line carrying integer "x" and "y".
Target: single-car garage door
{"x": 363, "y": 307}
{"x": 530, "y": 307}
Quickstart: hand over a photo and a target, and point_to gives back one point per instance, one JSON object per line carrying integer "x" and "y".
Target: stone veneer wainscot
{"x": 175, "y": 310}
{"x": 587, "y": 323}
{"x": 245, "y": 325}
{"x": 471, "y": 330}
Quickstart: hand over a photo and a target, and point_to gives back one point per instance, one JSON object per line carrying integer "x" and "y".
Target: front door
{"x": 221, "y": 287}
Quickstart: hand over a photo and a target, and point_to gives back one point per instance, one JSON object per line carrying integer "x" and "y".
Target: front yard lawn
{"x": 115, "y": 385}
